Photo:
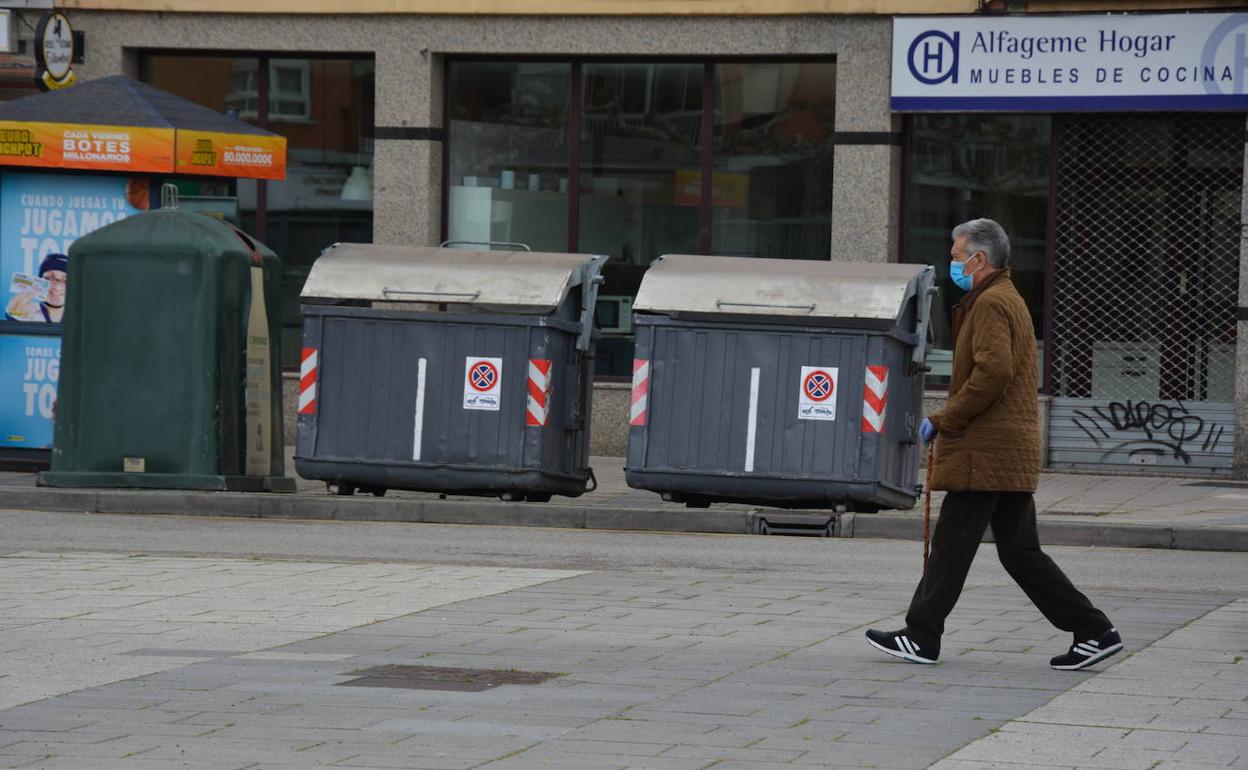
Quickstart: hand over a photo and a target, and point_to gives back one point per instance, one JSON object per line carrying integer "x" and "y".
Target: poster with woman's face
{"x": 41, "y": 215}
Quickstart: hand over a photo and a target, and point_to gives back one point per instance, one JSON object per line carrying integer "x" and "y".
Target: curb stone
{"x": 895, "y": 526}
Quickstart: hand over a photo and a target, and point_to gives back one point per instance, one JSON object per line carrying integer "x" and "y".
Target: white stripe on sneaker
{"x": 899, "y": 646}
{"x": 1084, "y": 649}
{"x": 1088, "y": 659}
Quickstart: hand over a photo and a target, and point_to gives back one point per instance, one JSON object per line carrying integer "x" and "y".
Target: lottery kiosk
{"x": 71, "y": 162}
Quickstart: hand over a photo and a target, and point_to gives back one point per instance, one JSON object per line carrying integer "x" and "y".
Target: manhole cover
{"x": 437, "y": 678}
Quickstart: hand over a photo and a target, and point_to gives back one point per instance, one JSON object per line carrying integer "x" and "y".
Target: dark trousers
{"x": 963, "y": 518}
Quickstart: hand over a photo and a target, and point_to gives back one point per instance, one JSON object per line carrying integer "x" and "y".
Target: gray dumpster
{"x": 788, "y": 383}
{"x": 447, "y": 370}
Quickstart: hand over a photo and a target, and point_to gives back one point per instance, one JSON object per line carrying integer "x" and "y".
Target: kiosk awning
{"x": 117, "y": 124}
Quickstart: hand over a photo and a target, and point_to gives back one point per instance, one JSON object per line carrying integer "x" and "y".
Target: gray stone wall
{"x": 865, "y": 191}
{"x": 608, "y": 432}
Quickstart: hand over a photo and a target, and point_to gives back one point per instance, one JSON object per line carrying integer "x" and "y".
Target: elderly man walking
{"x": 988, "y": 460}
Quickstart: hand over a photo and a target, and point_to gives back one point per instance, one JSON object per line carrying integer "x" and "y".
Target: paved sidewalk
{"x": 219, "y": 664}
{"x": 1075, "y": 509}
{"x": 1182, "y": 702}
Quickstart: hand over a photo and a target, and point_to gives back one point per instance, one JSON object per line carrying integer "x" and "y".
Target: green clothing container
{"x": 170, "y": 373}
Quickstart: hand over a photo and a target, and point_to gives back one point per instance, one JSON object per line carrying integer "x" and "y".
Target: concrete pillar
{"x": 867, "y": 166}
{"x": 407, "y": 160}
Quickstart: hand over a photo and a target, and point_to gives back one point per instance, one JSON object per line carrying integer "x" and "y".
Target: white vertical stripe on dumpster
{"x": 419, "y": 427}
{"x": 751, "y": 429}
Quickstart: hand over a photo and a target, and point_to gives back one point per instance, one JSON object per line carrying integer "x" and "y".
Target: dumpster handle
{"x": 590, "y": 278}
{"x": 722, "y": 303}
{"x": 471, "y": 295}
{"x": 444, "y": 244}
{"x": 923, "y": 325}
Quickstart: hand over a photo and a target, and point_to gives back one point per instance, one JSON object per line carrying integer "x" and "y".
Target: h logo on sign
{"x": 1230, "y": 29}
{"x": 933, "y": 57}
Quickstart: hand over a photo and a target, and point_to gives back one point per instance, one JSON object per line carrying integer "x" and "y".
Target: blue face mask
{"x": 957, "y": 272}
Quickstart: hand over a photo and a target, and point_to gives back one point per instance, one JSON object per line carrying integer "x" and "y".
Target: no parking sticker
{"x": 817, "y": 399}
{"x": 483, "y": 380}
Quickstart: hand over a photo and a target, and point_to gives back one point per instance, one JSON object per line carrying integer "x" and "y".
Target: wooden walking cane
{"x": 927, "y": 509}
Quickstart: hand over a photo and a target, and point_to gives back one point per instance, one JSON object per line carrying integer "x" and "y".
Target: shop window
{"x": 207, "y": 80}
{"x": 289, "y": 90}
{"x": 636, "y": 163}
{"x": 627, "y": 137}
{"x": 961, "y": 167}
{"x": 772, "y": 184}
{"x": 508, "y": 172}
{"x": 324, "y": 107}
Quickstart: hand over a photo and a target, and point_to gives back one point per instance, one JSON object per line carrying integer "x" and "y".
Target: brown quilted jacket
{"x": 989, "y": 440}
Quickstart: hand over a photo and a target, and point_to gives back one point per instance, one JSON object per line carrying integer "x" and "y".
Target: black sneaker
{"x": 1086, "y": 653}
{"x": 898, "y": 644}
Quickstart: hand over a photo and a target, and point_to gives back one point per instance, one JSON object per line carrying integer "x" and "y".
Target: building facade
{"x": 651, "y": 127}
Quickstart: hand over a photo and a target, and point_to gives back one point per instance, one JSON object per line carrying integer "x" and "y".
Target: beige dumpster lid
{"x": 514, "y": 279}
{"x": 686, "y": 283}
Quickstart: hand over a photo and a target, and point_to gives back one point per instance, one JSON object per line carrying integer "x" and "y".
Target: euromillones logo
{"x": 203, "y": 154}
{"x": 933, "y": 57}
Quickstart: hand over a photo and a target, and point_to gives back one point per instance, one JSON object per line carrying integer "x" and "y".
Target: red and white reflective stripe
{"x": 874, "y": 399}
{"x": 641, "y": 392}
{"x": 539, "y": 392}
{"x": 307, "y": 382}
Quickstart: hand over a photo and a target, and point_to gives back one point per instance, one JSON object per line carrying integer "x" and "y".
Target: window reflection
{"x": 961, "y": 167}
{"x": 771, "y": 187}
{"x": 640, "y": 161}
{"x": 640, "y": 147}
{"x": 324, "y": 107}
{"x": 508, "y": 165}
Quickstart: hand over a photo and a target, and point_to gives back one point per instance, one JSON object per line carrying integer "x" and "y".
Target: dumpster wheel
{"x": 340, "y": 488}
{"x": 347, "y": 488}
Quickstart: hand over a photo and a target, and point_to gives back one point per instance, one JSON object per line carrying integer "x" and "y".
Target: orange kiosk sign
{"x": 214, "y": 153}
{"x": 93, "y": 148}
{"x": 131, "y": 149}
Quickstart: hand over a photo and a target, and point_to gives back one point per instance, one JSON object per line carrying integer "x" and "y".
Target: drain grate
{"x": 438, "y": 678}
{"x": 811, "y": 525}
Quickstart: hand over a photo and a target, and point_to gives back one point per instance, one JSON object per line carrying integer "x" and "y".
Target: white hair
{"x": 987, "y": 236}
